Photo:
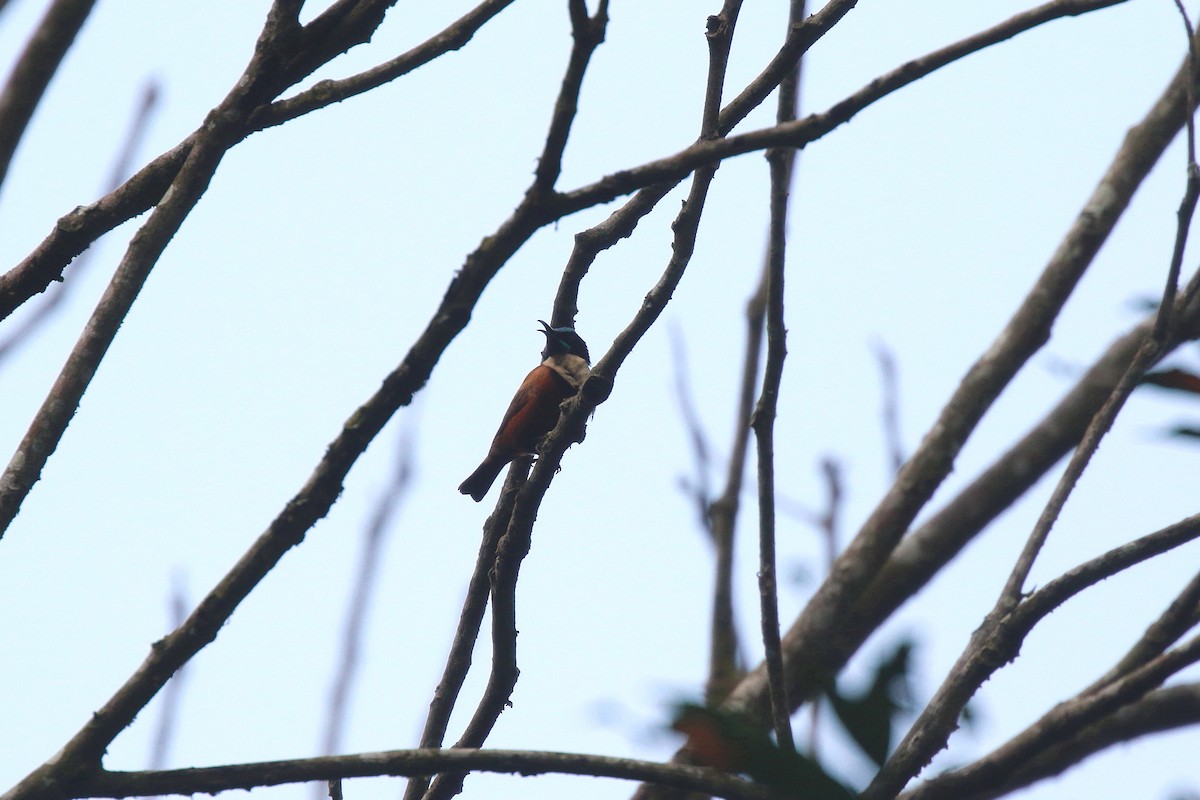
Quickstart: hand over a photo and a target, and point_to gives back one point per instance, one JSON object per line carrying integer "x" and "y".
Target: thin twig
{"x": 697, "y": 488}
{"x": 891, "y": 406}
{"x": 1060, "y": 724}
{"x": 458, "y": 662}
{"x": 118, "y": 174}
{"x": 1026, "y": 331}
{"x": 1177, "y": 619}
{"x": 173, "y": 692}
{"x": 725, "y": 666}
{"x": 364, "y": 585}
{"x": 763, "y": 419}
{"x": 327, "y": 92}
{"x": 1148, "y": 354}
{"x": 32, "y": 72}
{"x": 997, "y": 642}
{"x": 1161, "y": 710}
{"x": 588, "y": 34}
{"x": 808, "y": 129}
{"x": 210, "y": 780}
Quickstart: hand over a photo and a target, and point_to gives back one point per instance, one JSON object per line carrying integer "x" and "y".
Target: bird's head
{"x": 563, "y": 341}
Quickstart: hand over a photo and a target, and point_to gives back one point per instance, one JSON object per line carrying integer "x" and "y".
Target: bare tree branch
{"x": 588, "y": 34}
{"x": 1024, "y": 334}
{"x": 891, "y": 406}
{"x": 1161, "y": 710}
{"x": 172, "y": 693}
{"x": 1061, "y": 724}
{"x": 32, "y": 73}
{"x": 210, "y": 780}
{"x": 806, "y": 130}
{"x": 220, "y": 131}
{"x": 762, "y": 421}
{"x": 725, "y": 667}
{"x": 287, "y": 52}
{"x": 1179, "y": 617}
{"x": 50, "y": 423}
{"x": 76, "y": 230}
{"x": 327, "y": 92}
{"x": 118, "y": 174}
{"x": 1153, "y": 348}
{"x": 364, "y": 585}
{"x": 458, "y": 663}
{"x": 998, "y": 640}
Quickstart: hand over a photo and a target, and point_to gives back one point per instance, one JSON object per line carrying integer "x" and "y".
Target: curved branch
{"x": 588, "y": 34}
{"x": 327, "y": 92}
{"x": 1058, "y": 591}
{"x": 51, "y": 420}
{"x": 222, "y": 129}
{"x": 119, "y": 172}
{"x": 1025, "y": 333}
{"x": 1063, "y": 723}
{"x": 75, "y": 231}
{"x": 210, "y": 780}
{"x": 999, "y": 639}
{"x": 1179, "y": 617}
{"x": 1158, "y": 712}
{"x": 31, "y": 74}
{"x": 780, "y": 161}
{"x": 804, "y": 131}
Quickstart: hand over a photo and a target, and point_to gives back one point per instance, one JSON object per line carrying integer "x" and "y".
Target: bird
{"x": 533, "y": 411}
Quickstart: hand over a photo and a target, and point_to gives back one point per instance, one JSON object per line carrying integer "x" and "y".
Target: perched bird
{"x": 732, "y": 742}
{"x": 534, "y": 410}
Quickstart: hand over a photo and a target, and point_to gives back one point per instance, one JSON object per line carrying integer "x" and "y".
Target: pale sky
{"x": 323, "y": 247}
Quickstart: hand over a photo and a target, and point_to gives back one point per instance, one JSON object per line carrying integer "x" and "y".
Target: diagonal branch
{"x": 327, "y": 92}
{"x": 117, "y": 175}
{"x": 1152, "y": 349}
{"x": 364, "y": 586}
{"x": 588, "y": 34}
{"x": 51, "y": 420}
{"x": 84, "y": 749}
{"x": 74, "y": 231}
{"x": 222, "y": 129}
{"x": 503, "y": 674}
{"x": 1061, "y": 724}
{"x": 31, "y": 74}
{"x": 1159, "y": 711}
{"x": 1179, "y": 617}
{"x": 998, "y": 640}
{"x": 1025, "y": 333}
{"x": 517, "y": 539}
{"x": 763, "y": 420}
{"x": 724, "y": 664}
{"x": 210, "y": 780}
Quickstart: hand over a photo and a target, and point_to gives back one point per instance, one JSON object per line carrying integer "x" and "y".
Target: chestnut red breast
{"x": 534, "y": 409}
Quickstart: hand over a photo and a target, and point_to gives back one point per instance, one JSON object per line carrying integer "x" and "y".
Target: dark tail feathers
{"x": 481, "y": 479}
